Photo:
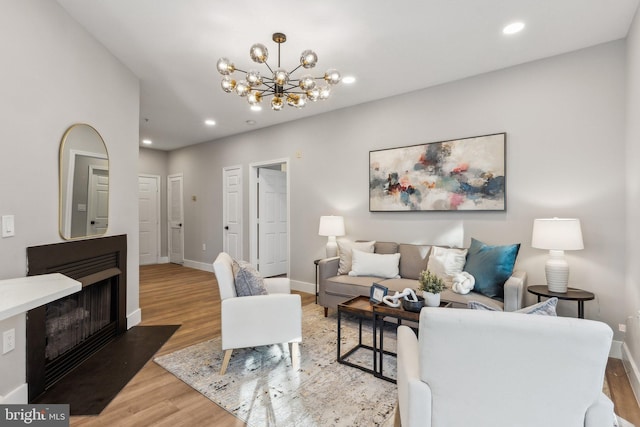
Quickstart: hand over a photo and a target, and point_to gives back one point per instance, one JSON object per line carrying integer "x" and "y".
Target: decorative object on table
{"x": 463, "y": 174}
{"x": 331, "y": 226}
{"x": 557, "y": 235}
{"x": 431, "y": 285}
{"x": 463, "y": 283}
{"x": 399, "y": 298}
{"x": 279, "y": 84}
{"x": 377, "y": 293}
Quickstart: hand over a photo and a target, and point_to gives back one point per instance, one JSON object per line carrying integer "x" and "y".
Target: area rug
{"x": 90, "y": 387}
{"x": 261, "y": 388}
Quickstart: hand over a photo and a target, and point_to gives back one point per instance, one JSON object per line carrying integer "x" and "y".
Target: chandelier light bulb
{"x": 228, "y": 84}
{"x": 225, "y": 66}
{"x": 302, "y": 101}
{"x": 308, "y": 59}
{"x": 254, "y": 98}
{"x": 307, "y": 82}
{"x": 332, "y": 76}
{"x": 259, "y": 53}
{"x": 276, "y": 103}
{"x": 281, "y": 77}
{"x": 242, "y": 88}
{"x": 325, "y": 91}
{"x": 313, "y": 94}
{"x": 254, "y": 78}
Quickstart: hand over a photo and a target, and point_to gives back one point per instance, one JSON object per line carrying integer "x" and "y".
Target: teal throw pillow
{"x": 491, "y": 266}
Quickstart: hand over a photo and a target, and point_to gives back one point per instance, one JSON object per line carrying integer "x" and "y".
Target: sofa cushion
{"x": 544, "y": 308}
{"x": 446, "y": 262}
{"x": 378, "y": 265}
{"x": 491, "y": 266}
{"x": 462, "y": 301}
{"x": 399, "y": 284}
{"x": 413, "y": 260}
{"x": 386, "y": 247}
{"x": 247, "y": 279}
{"x": 345, "y": 246}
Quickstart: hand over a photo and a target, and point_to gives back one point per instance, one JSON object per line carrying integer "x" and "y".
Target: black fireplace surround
{"x": 64, "y": 333}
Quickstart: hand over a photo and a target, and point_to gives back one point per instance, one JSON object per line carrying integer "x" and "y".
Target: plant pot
{"x": 431, "y": 300}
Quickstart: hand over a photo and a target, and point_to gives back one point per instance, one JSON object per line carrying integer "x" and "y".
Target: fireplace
{"x": 64, "y": 333}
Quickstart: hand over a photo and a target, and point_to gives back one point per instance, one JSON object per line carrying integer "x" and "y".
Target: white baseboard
{"x": 204, "y": 266}
{"x": 632, "y": 371}
{"x": 134, "y": 318}
{"x": 18, "y": 396}
{"x": 307, "y": 287}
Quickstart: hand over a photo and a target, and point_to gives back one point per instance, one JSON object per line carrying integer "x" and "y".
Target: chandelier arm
{"x": 242, "y": 71}
{"x": 265, "y": 63}
{"x": 291, "y": 72}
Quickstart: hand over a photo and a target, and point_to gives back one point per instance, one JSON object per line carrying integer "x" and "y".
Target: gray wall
{"x": 155, "y": 162}
{"x": 53, "y": 75}
{"x": 565, "y": 124}
{"x": 632, "y": 288}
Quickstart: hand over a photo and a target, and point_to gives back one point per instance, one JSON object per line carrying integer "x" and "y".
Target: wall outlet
{"x": 204, "y": 246}
{"x": 8, "y": 341}
{"x": 622, "y": 327}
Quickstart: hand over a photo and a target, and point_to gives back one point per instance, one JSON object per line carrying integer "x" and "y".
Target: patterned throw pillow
{"x": 446, "y": 263}
{"x": 544, "y": 308}
{"x": 247, "y": 279}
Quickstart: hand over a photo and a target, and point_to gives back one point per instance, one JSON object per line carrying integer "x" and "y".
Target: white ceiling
{"x": 391, "y": 47}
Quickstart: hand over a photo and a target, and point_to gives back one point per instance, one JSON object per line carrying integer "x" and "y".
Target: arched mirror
{"x": 84, "y": 183}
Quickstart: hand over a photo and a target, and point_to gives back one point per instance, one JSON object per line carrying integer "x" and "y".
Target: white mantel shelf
{"x": 25, "y": 293}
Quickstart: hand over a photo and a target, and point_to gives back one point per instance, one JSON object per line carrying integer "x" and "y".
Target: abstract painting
{"x": 458, "y": 175}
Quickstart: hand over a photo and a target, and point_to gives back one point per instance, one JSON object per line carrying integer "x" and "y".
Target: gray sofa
{"x": 334, "y": 289}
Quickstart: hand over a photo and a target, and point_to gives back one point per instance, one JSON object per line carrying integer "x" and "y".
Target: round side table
{"x": 572, "y": 294}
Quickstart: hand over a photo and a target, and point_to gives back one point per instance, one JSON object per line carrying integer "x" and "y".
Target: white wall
{"x": 631, "y": 351}
{"x": 53, "y": 75}
{"x": 564, "y": 118}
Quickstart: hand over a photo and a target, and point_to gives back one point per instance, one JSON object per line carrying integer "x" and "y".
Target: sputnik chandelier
{"x": 279, "y": 84}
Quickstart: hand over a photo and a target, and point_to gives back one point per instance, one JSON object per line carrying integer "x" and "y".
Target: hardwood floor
{"x": 172, "y": 294}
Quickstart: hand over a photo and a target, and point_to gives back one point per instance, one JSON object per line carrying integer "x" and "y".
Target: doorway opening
{"x": 269, "y": 212}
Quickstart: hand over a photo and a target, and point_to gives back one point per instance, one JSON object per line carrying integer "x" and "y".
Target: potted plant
{"x": 431, "y": 286}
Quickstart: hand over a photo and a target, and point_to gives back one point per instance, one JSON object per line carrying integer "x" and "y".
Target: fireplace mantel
{"x": 25, "y": 293}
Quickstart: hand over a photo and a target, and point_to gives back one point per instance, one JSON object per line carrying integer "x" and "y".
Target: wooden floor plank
{"x": 173, "y": 294}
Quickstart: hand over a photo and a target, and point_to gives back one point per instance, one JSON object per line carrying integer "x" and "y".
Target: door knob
{"x": 226, "y": 227}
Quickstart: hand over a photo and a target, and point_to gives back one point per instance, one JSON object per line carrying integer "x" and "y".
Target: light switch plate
{"x": 8, "y": 226}
{"x": 8, "y": 341}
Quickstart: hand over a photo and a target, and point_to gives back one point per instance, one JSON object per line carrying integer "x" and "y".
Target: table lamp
{"x": 331, "y": 226}
{"x": 557, "y": 235}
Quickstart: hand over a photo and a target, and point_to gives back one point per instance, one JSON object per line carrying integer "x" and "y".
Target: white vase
{"x": 431, "y": 300}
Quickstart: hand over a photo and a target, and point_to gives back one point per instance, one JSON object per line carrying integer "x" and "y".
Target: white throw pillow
{"x": 378, "y": 265}
{"x": 446, "y": 262}
{"x": 345, "y": 246}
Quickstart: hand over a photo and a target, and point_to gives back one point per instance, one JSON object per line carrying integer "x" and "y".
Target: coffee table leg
{"x": 375, "y": 343}
{"x": 338, "y": 346}
{"x": 381, "y": 345}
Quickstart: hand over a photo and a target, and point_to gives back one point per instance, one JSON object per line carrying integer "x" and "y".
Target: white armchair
{"x": 495, "y": 369}
{"x": 252, "y": 321}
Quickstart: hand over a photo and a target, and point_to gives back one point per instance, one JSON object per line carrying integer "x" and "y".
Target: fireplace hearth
{"x": 64, "y": 333}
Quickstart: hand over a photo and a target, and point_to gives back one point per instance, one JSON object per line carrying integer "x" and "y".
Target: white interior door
{"x": 149, "y": 218}
{"x": 175, "y": 215}
{"x": 272, "y": 222}
{"x": 232, "y": 211}
{"x": 98, "y": 203}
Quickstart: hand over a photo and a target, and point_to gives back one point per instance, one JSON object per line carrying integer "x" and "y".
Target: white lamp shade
{"x": 563, "y": 234}
{"x": 331, "y": 226}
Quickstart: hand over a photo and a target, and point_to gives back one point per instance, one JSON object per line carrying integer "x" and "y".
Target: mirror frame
{"x": 69, "y": 151}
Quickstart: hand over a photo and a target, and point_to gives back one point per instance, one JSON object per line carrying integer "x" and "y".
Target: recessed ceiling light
{"x": 348, "y": 80}
{"x": 210, "y": 122}
{"x": 147, "y": 142}
{"x": 513, "y": 28}
{"x": 256, "y": 107}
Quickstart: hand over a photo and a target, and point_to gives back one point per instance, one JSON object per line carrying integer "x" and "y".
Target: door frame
{"x": 91, "y": 197}
{"x": 158, "y": 180}
{"x": 253, "y": 208}
{"x": 224, "y": 207}
{"x": 169, "y": 177}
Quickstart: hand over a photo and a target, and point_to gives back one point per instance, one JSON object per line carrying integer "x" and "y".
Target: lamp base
{"x": 332, "y": 247}
{"x": 556, "y": 270}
